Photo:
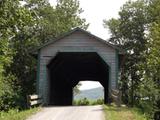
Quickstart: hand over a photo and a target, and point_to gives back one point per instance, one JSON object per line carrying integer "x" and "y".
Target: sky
{"x": 95, "y": 11}
{"x": 89, "y": 85}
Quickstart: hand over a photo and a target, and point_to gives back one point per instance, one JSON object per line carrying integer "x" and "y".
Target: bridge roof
{"x": 121, "y": 51}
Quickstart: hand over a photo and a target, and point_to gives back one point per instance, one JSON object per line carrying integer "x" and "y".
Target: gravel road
{"x": 70, "y": 113}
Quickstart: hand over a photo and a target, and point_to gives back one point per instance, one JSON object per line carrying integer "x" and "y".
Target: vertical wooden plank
{"x": 45, "y": 85}
{"x": 117, "y": 68}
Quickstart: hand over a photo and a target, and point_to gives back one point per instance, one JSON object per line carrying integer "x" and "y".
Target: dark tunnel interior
{"x": 66, "y": 69}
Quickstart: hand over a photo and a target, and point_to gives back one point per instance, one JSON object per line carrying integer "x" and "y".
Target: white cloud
{"x": 95, "y": 11}
{"x": 89, "y": 85}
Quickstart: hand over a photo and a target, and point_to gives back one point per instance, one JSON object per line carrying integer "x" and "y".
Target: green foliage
{"x": 15, "y": 21}
{"x": 5, "y": 55}
{"x": 151, "y": 71}
{"x": 53, "y": 21}
{"x": 7, "y": 95}
{"x": 85, "y": 101}
{"x": 150, "y": 86}
{"x": 6, "y": 91}
{"x": 97, "y": 102}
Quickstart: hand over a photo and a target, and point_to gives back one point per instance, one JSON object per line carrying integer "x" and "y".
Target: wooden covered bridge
{"x": 76, "y": 56}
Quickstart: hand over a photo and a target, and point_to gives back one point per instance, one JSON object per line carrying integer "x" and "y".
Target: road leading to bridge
{"x": 70, "y": 113}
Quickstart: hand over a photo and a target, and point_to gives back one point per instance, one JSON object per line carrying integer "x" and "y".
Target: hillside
{"x": 91, "y": 94}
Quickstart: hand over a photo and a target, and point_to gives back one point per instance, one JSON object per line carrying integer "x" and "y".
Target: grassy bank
{"x": 122, "y": 113}
{"x": 17, "y": 115}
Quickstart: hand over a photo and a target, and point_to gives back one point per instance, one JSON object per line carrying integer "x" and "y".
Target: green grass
{"x": 122, "y": 113}
{"x": 17, "y": 115}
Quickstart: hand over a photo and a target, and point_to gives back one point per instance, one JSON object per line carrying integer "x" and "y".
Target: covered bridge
{"x": 76, "y": 56}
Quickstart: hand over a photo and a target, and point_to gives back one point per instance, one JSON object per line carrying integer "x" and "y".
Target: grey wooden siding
{"x": 76, "y": 42}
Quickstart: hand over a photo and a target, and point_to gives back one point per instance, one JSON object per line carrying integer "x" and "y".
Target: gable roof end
{"x": 84, "y": 31}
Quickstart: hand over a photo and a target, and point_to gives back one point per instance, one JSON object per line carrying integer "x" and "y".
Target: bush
{"x": 100, "y": 101}
{"x": 85, "y": 101}
{"x": 8, "y": 97}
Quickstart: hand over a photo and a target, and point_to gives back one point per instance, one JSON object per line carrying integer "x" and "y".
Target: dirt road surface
{"x": 70, "y": 113}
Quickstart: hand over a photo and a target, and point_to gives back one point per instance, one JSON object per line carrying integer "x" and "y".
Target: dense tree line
{"x": 137, "y": 30}
{"x": 24, "y": 25}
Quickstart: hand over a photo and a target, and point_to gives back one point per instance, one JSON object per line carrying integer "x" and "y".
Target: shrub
{"x": 8, "y": 97}
{"x": 85, "y": 101}
{"x": 100, "y": 101}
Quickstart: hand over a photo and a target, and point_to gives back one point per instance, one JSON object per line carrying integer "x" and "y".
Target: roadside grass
{"x": 14, "y": 114}
{"x": 113, "y": 112}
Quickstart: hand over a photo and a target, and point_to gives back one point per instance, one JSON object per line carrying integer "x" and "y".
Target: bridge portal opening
{"x": 66, "y": 69}
{"x": 89, "y": 90}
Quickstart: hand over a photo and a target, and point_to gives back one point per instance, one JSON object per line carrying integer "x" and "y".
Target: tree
{"x": 8, "y": 23}
{"x": 128, "y": 32}
{"x": 53, "y": 21}
{"x": 137, "y": 31}
{"x": 150, "y": 87}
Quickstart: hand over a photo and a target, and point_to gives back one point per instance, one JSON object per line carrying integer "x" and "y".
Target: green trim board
{"x": 46, "y": 82}
{"x": 38, "y": 72}
{"x": 110, "y": 78}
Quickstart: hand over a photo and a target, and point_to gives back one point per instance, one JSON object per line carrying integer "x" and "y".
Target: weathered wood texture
{"x": 76, "y": 42}
{"x": 34, "y": 100}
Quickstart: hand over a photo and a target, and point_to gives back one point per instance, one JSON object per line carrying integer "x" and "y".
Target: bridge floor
{"x": 70, "y": 113}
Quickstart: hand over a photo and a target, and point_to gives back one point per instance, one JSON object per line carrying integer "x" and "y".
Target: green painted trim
{"x": 117, "y": 67}
{"x": 45, "y": 75}
{"x": 110, "y": 78}
{"x": 45, "y": 82}
{"x": 38, "y": 73}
